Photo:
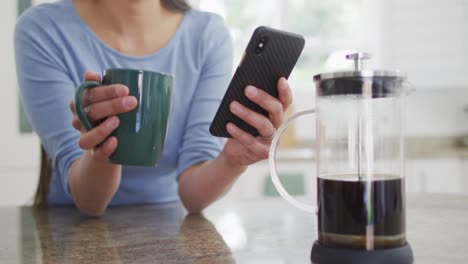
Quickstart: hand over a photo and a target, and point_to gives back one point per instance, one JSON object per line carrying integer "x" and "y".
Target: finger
{"x": 104, "y": 93}
{"x": 284, "y": 93}
{"x": 77, "y": 124}
{"x": 97, "y": 135}
{"x": 260, "y": 122}
{"x": 103, "y": 152}
{"x": 116, "y": 106}
{"x": 72, "y": 106}
{"x": 248, "y": 141}
{"x": 91, "y": 76}
{"x": 271, "y": 104}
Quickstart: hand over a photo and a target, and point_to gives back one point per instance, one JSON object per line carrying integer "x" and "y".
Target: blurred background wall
{"x": 18, "y": 151}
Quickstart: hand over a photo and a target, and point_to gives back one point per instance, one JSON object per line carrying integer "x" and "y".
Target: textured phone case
{"x": 280, "y": 53}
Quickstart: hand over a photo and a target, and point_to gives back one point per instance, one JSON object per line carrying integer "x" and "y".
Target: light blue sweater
{"x": 54, "y": 47}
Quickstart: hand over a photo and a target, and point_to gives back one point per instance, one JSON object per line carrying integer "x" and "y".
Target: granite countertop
{"x": 266, "y": 230}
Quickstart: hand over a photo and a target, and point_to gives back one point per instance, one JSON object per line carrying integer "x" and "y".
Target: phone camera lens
{"x": 260, "y": 47}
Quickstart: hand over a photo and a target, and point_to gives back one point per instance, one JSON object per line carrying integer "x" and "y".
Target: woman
{"x": 56, "y": 44}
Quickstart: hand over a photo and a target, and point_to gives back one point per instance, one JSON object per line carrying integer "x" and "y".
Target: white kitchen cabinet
{"x": 437, "y": 176}
{"x": 422, "y": 175}
{"x": 252, "y": 183}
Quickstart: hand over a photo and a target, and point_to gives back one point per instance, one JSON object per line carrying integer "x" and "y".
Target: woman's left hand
{"x": 244, "y": 149}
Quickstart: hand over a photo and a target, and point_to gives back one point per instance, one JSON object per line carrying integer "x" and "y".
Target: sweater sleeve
{"x": 198, "y": 144}
{"x": 46, "y": 90}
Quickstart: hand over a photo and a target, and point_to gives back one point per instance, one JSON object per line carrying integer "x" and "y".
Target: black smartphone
{"x": 270, "y": 55}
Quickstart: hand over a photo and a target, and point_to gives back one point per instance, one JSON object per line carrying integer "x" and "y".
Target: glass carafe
{"x": 360, "y": 166}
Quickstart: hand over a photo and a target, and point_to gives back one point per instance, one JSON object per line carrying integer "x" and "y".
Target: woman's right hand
{"x": 102, "y": 104}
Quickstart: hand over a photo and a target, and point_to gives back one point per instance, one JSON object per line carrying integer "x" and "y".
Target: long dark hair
{"x": 45, "y": 173}
{"x": 176, "y": 5}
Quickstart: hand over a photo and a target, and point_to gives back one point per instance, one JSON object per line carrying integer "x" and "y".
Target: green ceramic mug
{"x": 142, "y": 132}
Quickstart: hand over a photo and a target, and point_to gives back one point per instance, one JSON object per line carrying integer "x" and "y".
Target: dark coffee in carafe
{"x": 356, "y": 213}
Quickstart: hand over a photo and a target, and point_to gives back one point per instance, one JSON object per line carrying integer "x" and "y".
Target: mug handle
{"x": 272, "y": 161}
{"x": 79, "y": 107}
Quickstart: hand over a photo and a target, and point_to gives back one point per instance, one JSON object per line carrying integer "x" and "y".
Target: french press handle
{"x": 272, "y": 161}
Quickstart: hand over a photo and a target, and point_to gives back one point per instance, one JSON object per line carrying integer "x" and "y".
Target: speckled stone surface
{"x": 139, "y": 234}
{"x": 256, "y": 231}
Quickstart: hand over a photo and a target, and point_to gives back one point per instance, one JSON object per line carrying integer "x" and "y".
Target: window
{"x": 425, "y": 39}
{"x": 329, "y": 28}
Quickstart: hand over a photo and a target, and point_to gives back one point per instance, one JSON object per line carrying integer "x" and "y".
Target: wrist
{"x": 93, "y": 183}
{"x": 231, "y": 164}
{"x": 89, "y": 159}
{"x": 87, "y": 165}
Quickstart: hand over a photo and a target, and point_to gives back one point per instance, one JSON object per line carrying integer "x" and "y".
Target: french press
{"x": 360, "y": 166}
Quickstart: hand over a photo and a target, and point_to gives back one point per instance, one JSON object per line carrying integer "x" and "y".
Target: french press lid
{"x": 368, "y": 83}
